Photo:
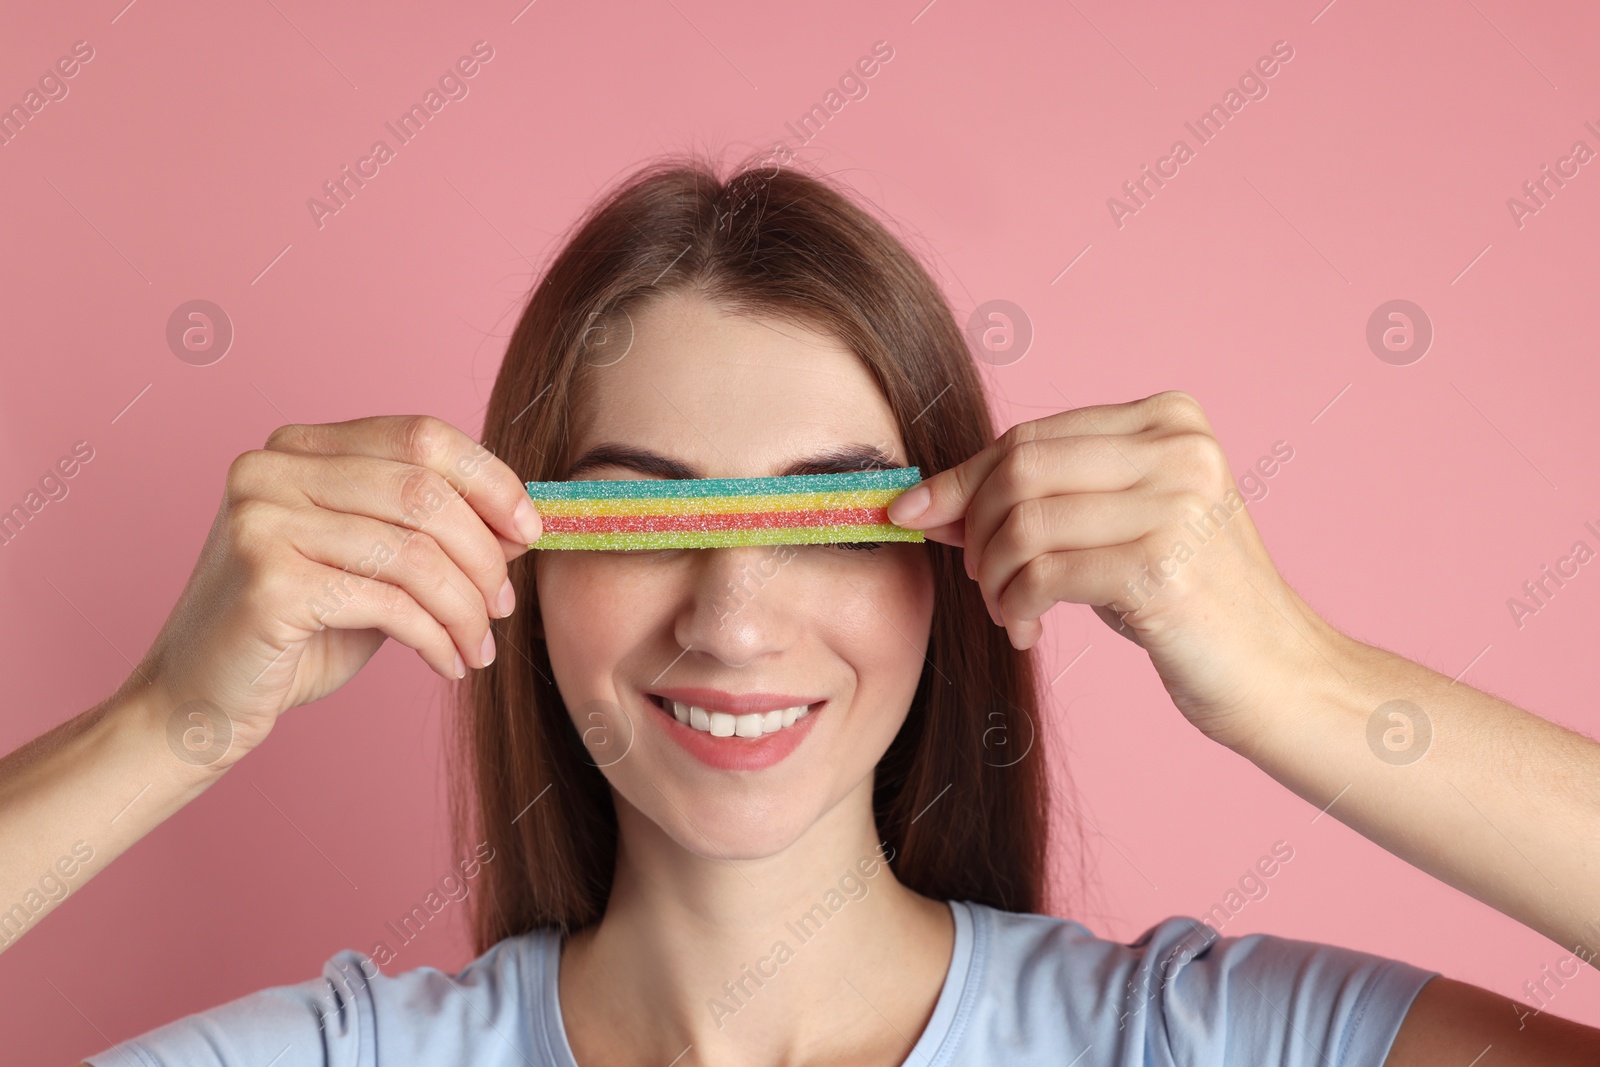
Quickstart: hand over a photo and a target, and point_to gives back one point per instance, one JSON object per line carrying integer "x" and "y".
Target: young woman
{"x": 862, "y": 883}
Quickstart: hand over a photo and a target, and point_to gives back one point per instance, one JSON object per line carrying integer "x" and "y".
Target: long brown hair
{"x": 782, "y": 243}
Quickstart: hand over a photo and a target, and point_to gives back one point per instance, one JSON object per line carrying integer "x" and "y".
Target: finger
{"x": 1053, "y": 466}
{"x": 493, "y": 489}
{"x": 1078, "y": 576}
{"x": 345, "y": 601}
{"x": 396, "y": 493}
{"x": 406, "y": 558}
{"x": 1041, "y": 525}
{"x": 1172, "y": 408}
{"x": 949, "y": 491}
{"x": 951, "y": 533}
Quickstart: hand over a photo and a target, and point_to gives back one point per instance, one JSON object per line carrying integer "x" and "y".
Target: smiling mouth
{"x": 724, "y": 724}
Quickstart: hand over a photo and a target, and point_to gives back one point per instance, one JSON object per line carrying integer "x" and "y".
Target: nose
{"x": 742, "y": 608}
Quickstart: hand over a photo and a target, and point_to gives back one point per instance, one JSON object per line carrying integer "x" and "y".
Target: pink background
{"x": 1378, "y": 167}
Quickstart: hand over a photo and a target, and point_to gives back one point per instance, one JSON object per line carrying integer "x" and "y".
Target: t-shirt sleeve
{"x": 1197, "y": 998}
{"x": 351, "y": 1016}
{"x": 325, "y": 1022}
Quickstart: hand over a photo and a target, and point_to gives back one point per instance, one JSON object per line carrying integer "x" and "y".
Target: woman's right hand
{"x": 329, "y": 539}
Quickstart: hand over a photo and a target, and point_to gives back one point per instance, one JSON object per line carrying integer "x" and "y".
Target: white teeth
{"x": 724, "y": 724}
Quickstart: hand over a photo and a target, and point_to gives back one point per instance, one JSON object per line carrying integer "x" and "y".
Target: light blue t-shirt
{"x": 1021, "y": 990}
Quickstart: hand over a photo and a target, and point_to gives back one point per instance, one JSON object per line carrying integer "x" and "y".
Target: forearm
{"x": 1501, "y": 804}
{"x": 74, "y": 799}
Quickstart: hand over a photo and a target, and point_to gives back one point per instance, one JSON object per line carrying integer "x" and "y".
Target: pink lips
{"x": 734, "y": 753}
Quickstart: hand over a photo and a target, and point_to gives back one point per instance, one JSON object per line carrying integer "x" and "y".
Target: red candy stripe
{"x": 715, "y": 521}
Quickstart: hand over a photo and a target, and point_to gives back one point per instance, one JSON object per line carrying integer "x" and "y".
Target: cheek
{"x": 589, "y": 607}
{"x": 878, "y": 619}
{"x": 906, "y": 592}
{"x": 888, "y": 604}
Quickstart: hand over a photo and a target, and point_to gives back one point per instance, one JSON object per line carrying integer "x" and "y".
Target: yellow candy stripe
{"x": 711, "y": 505}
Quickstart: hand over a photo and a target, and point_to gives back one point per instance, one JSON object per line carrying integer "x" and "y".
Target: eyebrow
{"x": 839, "y": 460}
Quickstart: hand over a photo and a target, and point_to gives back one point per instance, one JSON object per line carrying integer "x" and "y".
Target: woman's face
{"x": 841, "y": 630}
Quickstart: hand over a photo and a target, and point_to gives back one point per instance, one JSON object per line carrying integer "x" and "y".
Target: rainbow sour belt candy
{"x": 797, "y": 509}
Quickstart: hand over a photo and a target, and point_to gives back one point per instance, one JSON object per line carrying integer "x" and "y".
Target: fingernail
{"x": 526, "y": 520}
{"x": 909, "y": 504}
{"x": 461, "y": 668}
{"x": 966, "y": 558}
{"x": 993, "y": 614}
{"x": 486, "y": 653}
{"x": 507, "y": 600}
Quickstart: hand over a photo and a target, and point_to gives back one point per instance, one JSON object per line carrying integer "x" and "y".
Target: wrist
{"x": 1319, "y": 688}
{"x": 188, "y": 743}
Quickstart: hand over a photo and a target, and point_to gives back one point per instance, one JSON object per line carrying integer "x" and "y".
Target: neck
{"x": 779, "y": 959}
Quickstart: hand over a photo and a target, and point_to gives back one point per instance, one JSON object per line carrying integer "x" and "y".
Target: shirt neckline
{"x": 938, "y": 1038}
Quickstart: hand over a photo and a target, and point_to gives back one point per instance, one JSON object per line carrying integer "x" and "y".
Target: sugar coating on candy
{"x": 893, "y": 478}
{"x": 696, "y": 505}
{"x": 722, "y": 512}
{"x": 727, "y": 538}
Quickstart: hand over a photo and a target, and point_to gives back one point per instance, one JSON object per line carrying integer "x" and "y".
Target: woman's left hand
{"x": 1132, "y": 509}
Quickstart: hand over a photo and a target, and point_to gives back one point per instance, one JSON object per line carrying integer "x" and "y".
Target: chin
{"x": 734, "y": 830}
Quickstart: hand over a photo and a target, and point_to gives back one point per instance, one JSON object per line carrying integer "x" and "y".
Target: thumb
{"x": 941, "y": 500}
